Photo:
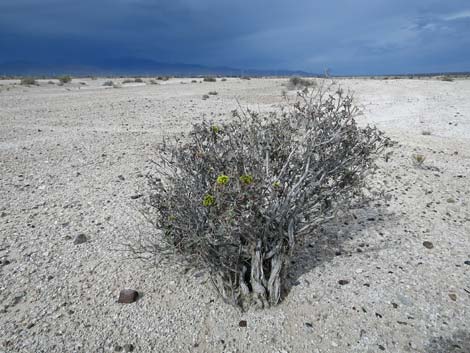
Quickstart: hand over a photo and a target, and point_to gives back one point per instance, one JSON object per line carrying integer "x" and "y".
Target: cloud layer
{"x": 348, "y": 36}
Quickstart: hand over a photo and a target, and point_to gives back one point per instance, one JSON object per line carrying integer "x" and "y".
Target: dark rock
{"x": 382, "y": 348}
{"x": 80, "y": 239}
{"x": 467, "y": 262}
{"x": 453, "y": 296}
{"x": 242, "y": 323}
{"x": 128, "y": 347}
{"x": 127, "y": 296}
{"x": 343, "y": 282}
{"x": 121, "y": 177}
{"x": 428, "y": 245}
{"x": 308, "y": 324}
{"x": 136, "y": 196}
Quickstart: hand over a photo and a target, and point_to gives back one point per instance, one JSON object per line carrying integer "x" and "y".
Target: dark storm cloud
{"x": 349, "y": 36}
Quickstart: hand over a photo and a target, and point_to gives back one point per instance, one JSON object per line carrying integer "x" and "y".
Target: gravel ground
{"x": 72, "y": 166}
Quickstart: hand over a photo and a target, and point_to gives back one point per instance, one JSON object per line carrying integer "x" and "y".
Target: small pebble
{"x": 80, "y": 239}
{"x": 128, "y": 347}
{"x": 127, "y": 296}
{"x": 428, "y": 245}
{"x": 453, "y": 296}
{"x": 343, "y": 282}
{"x": 242, "y": 323}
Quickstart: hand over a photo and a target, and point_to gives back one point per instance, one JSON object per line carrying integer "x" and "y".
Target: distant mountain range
{"x": 131, "y": 66}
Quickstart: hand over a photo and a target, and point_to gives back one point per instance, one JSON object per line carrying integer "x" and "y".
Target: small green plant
{"x": 209, "y": 79}
{"x": 418, "y": 159}
{"x": 28, "y": 81}
{"x": 65, "y": 79}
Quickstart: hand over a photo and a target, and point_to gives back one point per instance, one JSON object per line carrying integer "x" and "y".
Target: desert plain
{"x": 393, "y": 277}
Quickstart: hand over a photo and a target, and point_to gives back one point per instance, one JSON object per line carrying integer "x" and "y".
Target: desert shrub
{"x": 65, "y": 79}
{"x": 236, "y": 198}
{"x": 418, "y": 159}
{"x": 163, "y": 78}
{"x": 245, "y": 78}
{"x": 193, "y": 81}
{"x": 213, "y": 93}
{"x": 127, "y": 80}
{"x": 447, "y": 79}
{"x": 224, "y": 79}
{"x": 138, "y": 80}
{"x": 108, "y": 83}
{"x": 296, "y": 82}
{"x": 28, "y": 81}
{"x": 153, "y": 82}
{"x": 209, "y": 79}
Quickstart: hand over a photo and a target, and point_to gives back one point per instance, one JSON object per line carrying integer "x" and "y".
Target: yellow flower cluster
{"x": 223, "y": 179}
{"x": 208, "y": 200}
{"x": 246, "y": 179}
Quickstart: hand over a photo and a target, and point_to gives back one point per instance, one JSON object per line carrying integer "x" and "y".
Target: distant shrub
{"x": 245, "y": 78}
{"x": 108, "y": 83}
{"x": 213, "y": 93}
{"x": 447, "y": 79}
{"x": 209, "y": 79}
{"x": 127, "y": 81}
{"x": 296, "y": 82}
{"x": 153, "y": 82}
{"x": 51, "y": 82}
{"x": 193, "y": 81}
{"x": 28, "y": 81}
{"x": 236, "y": 199}
{"x": 224, "y": 79}
{"x": 163, "y": 78}
{"x": 138, "y": 80}
{"x": 65, "y": 79}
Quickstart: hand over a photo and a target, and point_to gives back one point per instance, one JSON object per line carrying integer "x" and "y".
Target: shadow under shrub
{"x": 236, "y": 198}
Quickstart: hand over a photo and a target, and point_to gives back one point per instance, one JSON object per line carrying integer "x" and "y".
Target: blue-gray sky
{"x": 348, "y": 36}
